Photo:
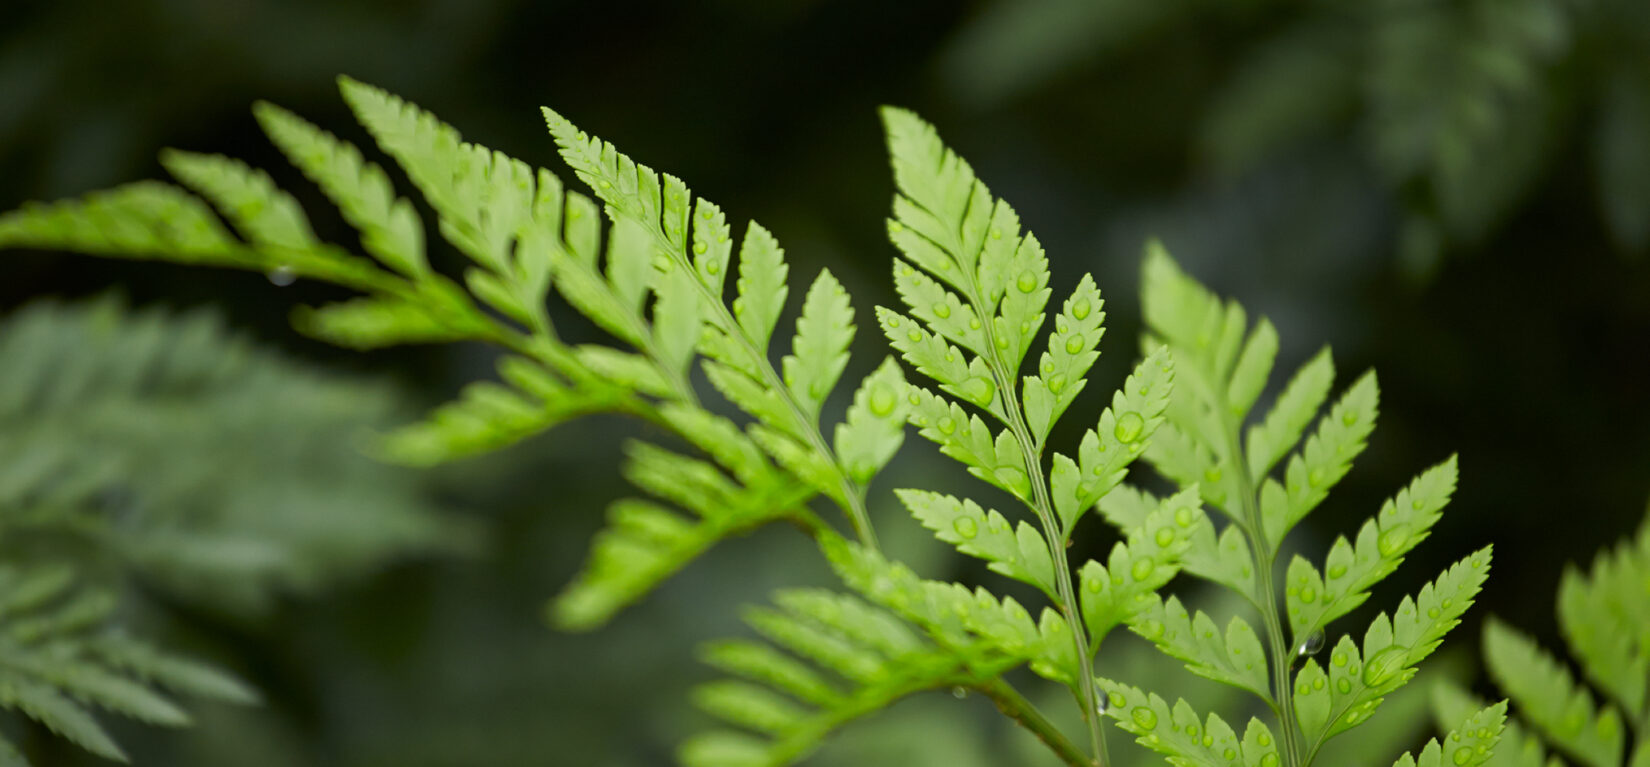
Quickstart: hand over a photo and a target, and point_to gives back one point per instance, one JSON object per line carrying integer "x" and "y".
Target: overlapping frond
{"x": 61, "y": 657}
{"x": 1210, "y": 445}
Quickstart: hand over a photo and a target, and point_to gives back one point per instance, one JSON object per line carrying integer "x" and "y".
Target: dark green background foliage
{"x": 1456, "y": 192}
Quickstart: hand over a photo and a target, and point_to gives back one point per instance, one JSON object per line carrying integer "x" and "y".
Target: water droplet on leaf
{"x": 282, "y": 276}
{"x": 965, "y": 527}
{"x": 1129, "y": 427}
{"x": 1311, "y": 645}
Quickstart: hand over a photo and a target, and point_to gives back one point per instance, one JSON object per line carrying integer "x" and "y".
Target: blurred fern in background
{"x": 153, "y": 452}
{"x": 1462, "y": 108}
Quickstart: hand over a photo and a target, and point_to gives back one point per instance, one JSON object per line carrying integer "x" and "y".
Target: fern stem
{"x": 1053, "y": 531}
{"x": 1015, "y": 706}
{"x": 858, "y": 516}
{"x": 1282, "y": 656}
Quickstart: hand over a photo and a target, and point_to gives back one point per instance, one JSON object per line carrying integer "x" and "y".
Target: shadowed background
{"x": 1454, "y": 193}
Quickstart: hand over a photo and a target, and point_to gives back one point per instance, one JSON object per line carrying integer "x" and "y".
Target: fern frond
{"x": 1605, "y": 617}
{"x": 1515, "y": 748}
{"x": 1186, "y": 740}
{"x": 1222, "y": 365}
{"x": 1470, "y": 744}
{"x": 61, "y": 655}
{"x": 1549, "y": 698}
{"x": 866, "y": 659}
{"x": 785, "y": 402}
{"x": 1333, "y": 699}
{"x": 1403, "y": 522}
{"x": 645, "y": 542}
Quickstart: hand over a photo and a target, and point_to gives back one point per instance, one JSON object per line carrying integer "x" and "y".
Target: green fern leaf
{"x": 374, "y": 323}
{"x": 1123, "y": 434}
{"x": 820, "y": 350}
{"x": 264, "y": 214}
{"x": 1071, "y": 352}
{"x": 1515, "y": 748}
{"x": 1470, "y": 744}
{"x": 1324, "y": 459}
{"x": 1549, "y": 698}
{"x": 1234, "y": 657}
{"x": 146, "y": 219}
{"x": 1178, "y": 733}
{"x": 1269, "y": 441}
{"x": 1605, "y": 617}
{"x": 1150, "y": 556}
{"x": 1019, "y": 553}
{"x": 389, "y": 226}
{"x": 875, "y": 426}
{"x": 1333, "y": 699}
{"x": 1402, "y": 523}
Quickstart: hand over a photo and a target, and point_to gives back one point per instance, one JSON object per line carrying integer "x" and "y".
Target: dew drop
{"x": 1057, "y": 383}
{"x": 1349, "y": 418}
{"x": 1309, "y": 594}
{"x": 896, "y": 227}
{"x": 1081, "y": 309}
{"x": 1093, "y": 585}
{"x": 1151, "y": 629}
{"x": 973, "y": 323}
{"x": 1229, "y": 754}
{"x": 699, "y": 248}
{"x": 882, "y": 401}
{"x": 947, "y": 425}
{"x": 661, "y": 262}
{"x": 1462, "y": 755}
{"x": 941, "y": 310}
{"x": 1164, "y": 537}
{"x": 914, "y": 334}
{"x": 914, "y": 398}
{"x": 1336, "y": 571}
{"x": 959, "y": 692}
{"x": 1393, "y": 539}
{"x": 1129, "y": 427}
{"x": 1311, "y": 645}
{"x": 1100, "y": 701}
{"x": 1269, "y": 760}
{"x": 1213, "y": 474}
{"x": 1265, "y": 739}
{"x": 282, "y": 276}
{"x": 997, "y": 234}
{"x": 1383, "y": 666}
{"x": 713, "y": 267}
{"x": 1144, "y": 717}
{"x": 1142, "y": 569}
{"x": 1074, "y": 345}
{"x": 1027, "y": 282}
{"x": 1345, "y": 686}
{"x": 1339, "y": 658}
{"x": 1433, "y": 613}
{"x": 1184, "y": 517}
{"x": 965, "y": 527}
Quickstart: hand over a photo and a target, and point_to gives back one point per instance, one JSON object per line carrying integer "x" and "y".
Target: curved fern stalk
{"x": 690, "y": 239}
{"x": 975, "y": 288}
{"x": 1222, "y": 366}
{"x": 60, "y": 654}
{"x": 1604, "y": 616}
